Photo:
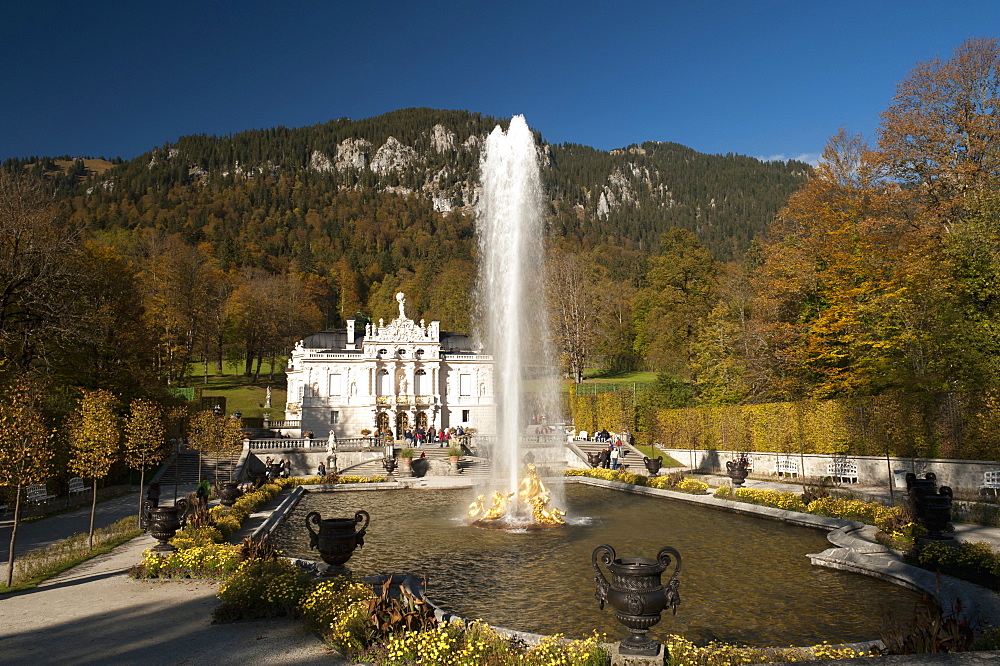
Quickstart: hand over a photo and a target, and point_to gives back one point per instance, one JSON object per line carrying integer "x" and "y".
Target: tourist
{"x": 441, "y": 438}
{"x": 286, "y": 468}
{"x": 460, "y": 431}
{"x": 606, "y": 458}
{"x": 153, "y": 494}
{"x": 615, "y": 452}
{"x": 321, "y": 469}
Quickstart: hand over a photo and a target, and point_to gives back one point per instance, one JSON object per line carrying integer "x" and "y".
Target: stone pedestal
{"x": 619, "y": 659}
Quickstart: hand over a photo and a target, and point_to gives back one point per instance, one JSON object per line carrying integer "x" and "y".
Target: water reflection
{"x": 744, "y": 580}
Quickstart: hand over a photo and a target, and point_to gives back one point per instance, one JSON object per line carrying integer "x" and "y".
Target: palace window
{"x": 465, "y": 384}
{"x": 336, "y": 385}
{"x": 334, "y": 417}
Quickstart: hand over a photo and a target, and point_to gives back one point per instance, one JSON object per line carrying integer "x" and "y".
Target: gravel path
{"x": 95, "y": 614}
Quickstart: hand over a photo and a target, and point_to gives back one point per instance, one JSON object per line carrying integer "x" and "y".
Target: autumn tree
{"x": 216, "y": 435}
{"x": 144, "y": 439}
{"x": 177, "y": 283}
{"x": 572, "y": 303}
{"x": 941, "y": 132}
{"x": 37, "y": 277}
{"x": 26, "y": 449}
{"x": 680, "y": 291}
{"x": 94, "y": 436}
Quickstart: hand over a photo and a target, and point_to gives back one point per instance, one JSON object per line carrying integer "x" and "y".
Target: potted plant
{"x": 406, "y": 461}
{"x": 454, "y": 453}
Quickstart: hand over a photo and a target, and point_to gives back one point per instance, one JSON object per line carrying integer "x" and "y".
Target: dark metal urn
{"x": 737, "y": 471}
{"x": 637, "y": 593}
{"x": 163, "y": 523}
{"x": 932, "y": 506}
{"x": 229, "y": 492}
{"x": 336, "y": 538}
{"x": 653, "y": 465}
{"x": 594, "y": 459}
{"x": 389, "y": 465}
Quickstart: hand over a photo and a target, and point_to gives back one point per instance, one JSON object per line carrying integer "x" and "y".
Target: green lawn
{"x": 240, "y": 394}
{"x": 636, "y": 376}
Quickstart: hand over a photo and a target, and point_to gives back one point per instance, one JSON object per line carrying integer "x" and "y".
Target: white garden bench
{"x": 38, "y": 494}
{"x": 991, "y": 483}
{"x": 76, "y": 485}
{"x": 842, "y": 471}
{"x": 786, "y": 468}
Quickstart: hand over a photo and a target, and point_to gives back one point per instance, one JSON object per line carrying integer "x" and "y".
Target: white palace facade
{"x": 394, "y": 376}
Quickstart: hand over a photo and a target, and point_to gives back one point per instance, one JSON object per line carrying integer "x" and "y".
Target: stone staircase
{"x": 185, "y": 468}
{"x": 470, "y": 466}
{"x": 632, "y": 462}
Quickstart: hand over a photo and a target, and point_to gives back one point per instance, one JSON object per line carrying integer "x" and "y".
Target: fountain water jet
{"x": 511, "y": 252}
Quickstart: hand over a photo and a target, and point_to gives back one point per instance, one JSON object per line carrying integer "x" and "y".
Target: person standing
{"x": 615, "y": 453}
{"x": 321, "y": 469}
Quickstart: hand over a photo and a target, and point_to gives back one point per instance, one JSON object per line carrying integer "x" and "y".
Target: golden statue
{"x": 477, "y": 507}
{"x": 544, "y": 517}
{"x": 499, "y": 508}
{"x": 531, "y": 492}
{"x": 531, "y": 486}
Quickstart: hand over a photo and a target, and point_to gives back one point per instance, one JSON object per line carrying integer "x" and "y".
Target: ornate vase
{"x": 653, "y": 465}
{"x": 336, "y": 538}
{"x": 594, "y": 459}
{"x": 637, "y": 594}
{"x": 229, "y": 492}
{"x": 389, "y": 465}
{"x": 737, "y": 471}
{"x": 163, "y": 523}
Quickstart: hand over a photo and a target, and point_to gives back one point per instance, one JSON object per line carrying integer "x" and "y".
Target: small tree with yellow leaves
{"x": 25, "y": 449}
{"x": 94, "y": 434}
{"x": 145, "y": 436}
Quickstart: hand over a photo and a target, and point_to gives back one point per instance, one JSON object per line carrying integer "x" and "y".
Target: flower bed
{"x": 201, "y": 551}
{"x": 675, "y": 481}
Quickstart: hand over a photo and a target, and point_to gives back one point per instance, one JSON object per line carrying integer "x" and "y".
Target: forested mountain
{"x": 219, "y": 235}
{"x": 277, "y": 177}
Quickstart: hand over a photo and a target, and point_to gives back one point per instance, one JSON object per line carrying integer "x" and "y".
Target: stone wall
{"x": 964, "y": 476}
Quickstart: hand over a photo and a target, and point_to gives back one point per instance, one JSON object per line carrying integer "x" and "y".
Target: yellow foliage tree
{"x": 144, "y": 439}
{"x": 25, "y": 449}
{"x": 94, "y": 437}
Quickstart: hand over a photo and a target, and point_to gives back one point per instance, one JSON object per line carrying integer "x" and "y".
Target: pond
{"x": 744, "y": 580}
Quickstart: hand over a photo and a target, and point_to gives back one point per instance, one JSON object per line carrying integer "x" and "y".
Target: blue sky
{"x": 766, "y": 78}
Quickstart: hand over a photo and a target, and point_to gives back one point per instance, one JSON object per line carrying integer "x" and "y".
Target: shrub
{"x": 852, "y": 509}
{"x": 693, "y": 486}
{"x": 478, "y": 643}
{"x": 338, "y": 610}
{"x": 723, "y": 492}
{"x": 261, "y": 588}
{"x": 192, "y": 536}
{"x": 777, "y": 498}
{"x": 209, "y": 561}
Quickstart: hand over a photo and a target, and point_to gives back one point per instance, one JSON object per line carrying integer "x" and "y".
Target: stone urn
{"x": 736, "y": 470}
{"x": 406, "y": 466}
{"x": 163, "y": 523}
{"x": 229, "y": 492}
{"x": 637, "y": 594}
{"x": 653, "y": 465}
{"x": 931, "y": 505}
{"x": 389, "y": 465}
{"x": 336, "y": 538}
{"x": 594, "y": 459}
